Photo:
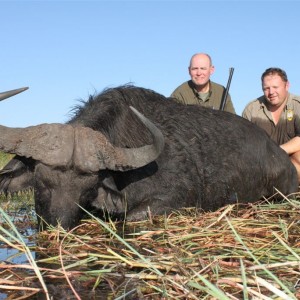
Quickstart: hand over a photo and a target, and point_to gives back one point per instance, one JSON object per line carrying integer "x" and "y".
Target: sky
{"x": 66, "y": 50}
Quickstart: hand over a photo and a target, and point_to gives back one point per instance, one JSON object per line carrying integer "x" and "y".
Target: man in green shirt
{"x": 200, "y": 90}
{"x": 278, "y": 113}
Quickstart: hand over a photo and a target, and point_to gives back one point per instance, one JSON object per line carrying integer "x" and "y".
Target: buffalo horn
{"x": 11, "y": 93}
{"x": 51, "y": 144}
{"x": 95, "y": 152}
{"x": 82, "y": 147}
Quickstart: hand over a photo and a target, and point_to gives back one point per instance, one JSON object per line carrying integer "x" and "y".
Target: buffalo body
{"x": 209, "y": 159}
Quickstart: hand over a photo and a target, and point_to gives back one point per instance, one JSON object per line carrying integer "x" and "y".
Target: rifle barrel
{"x": 225, "y": 94}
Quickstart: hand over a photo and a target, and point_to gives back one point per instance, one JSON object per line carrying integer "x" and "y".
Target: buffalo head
{"x": 67, "y": 166}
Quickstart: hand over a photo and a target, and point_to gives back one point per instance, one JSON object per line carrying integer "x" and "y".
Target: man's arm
{"x": 229, "y": 105}
{"x": 177, "y": 97}
{"x": 246, "y": 114}
{"x": 292, "y": 146}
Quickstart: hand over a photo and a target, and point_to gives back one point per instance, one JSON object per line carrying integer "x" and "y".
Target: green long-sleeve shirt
{"x": 187, "y": 94}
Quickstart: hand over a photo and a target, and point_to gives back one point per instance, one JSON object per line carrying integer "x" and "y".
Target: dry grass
{"x": 239, "y": 252}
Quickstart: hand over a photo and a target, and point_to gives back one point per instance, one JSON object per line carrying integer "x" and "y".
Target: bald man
{"x": 200, "y": 90}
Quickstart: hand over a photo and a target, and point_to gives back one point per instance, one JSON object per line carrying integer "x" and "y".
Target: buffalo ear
{"x": 110, "y": 184}
{"x": 109, "y": 198}
{"x": 17, "y": 175}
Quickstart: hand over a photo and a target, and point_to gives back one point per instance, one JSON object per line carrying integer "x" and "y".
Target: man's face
{"x": 275, "y": 89}
{"x": 200, "y": 70}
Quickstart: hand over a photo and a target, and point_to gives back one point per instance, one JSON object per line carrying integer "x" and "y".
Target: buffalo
{"x": 130, "y": 151}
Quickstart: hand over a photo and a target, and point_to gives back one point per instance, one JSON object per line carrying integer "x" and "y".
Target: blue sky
{"x": 65, "y": 50}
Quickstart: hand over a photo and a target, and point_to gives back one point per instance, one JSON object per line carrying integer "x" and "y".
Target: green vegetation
{"x": 21, "y": 202}
{"x": 5, "y": 158}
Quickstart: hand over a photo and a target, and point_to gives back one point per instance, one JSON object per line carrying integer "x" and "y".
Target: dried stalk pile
{"x": 238, "y": 252}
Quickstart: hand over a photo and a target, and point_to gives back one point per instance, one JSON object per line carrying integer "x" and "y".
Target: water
{"x": 57, "y": 288}
{"x": 24, "y": 220}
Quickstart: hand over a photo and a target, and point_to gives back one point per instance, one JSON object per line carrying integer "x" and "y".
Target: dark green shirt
{"x": 187, "y": 94}
{"x": 288, "y": 125}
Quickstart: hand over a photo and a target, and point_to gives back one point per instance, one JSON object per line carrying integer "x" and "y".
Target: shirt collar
{"x": 198, "y": 93}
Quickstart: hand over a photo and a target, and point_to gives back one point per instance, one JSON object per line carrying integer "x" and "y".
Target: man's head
{"x": 275, "y": 86}
{"x": 200, "y": 69}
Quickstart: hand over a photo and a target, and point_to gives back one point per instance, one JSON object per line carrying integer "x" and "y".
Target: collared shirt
{"x": 187, "y": 94}
{"x": 288, "y": 125}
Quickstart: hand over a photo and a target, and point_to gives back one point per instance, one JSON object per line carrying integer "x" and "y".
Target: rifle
{"x": 11, "y": 93}
{"x": 225, "y": 94}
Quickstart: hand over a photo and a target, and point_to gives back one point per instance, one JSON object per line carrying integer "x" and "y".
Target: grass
{"x": 238, "y": 252}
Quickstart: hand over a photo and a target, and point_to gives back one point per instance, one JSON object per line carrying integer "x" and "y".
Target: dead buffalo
{"x": 111, "y": 161}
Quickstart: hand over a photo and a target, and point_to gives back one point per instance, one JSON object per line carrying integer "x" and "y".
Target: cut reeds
{"x": 238, "y": 252}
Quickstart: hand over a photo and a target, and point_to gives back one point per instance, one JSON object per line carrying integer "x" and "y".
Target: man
{"x": 278, "y": 113}
{"x": 200, "y": 89}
